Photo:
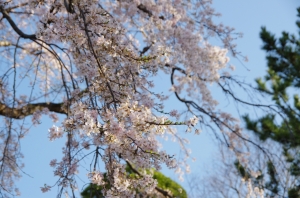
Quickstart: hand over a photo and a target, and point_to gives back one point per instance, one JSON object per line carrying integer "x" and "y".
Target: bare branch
{"x": 15, "y": 27}
{"x": 29, "y": 109}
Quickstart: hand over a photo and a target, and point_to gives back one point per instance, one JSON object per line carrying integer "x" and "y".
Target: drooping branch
{"x": 29, "y": 109}
{"x": 14, "y": 26}
{"x": 218, "y": 122}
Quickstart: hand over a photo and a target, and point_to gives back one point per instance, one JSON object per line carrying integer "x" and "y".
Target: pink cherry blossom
{"x": 95, "y": 62}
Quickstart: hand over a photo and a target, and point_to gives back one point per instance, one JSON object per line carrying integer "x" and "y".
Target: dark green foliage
{"x": 242, "y": 171}
{"x": 272, "y": 184}
{"x": 283, "y": 58}
{"x": 165, "y": 183}
{"x": 92, "y": 191}
{"x": 294, "y": 192}
{"x": 283, "y": 124}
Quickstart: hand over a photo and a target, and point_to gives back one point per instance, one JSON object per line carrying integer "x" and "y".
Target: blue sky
{"x": 246, "y": 17}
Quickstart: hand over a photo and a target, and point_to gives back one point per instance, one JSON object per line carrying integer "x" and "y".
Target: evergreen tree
{"x": 282, "y": 125}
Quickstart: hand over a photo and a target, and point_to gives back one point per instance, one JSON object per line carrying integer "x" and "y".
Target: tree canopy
{"x": 95, "y": 63}
{"x": 281, "y": 125}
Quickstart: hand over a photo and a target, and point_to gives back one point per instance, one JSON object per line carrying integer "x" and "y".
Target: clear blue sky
{"x": 245, "y": 16}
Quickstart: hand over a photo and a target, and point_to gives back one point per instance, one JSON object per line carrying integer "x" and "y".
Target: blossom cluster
{"x": 99, "y": 57}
